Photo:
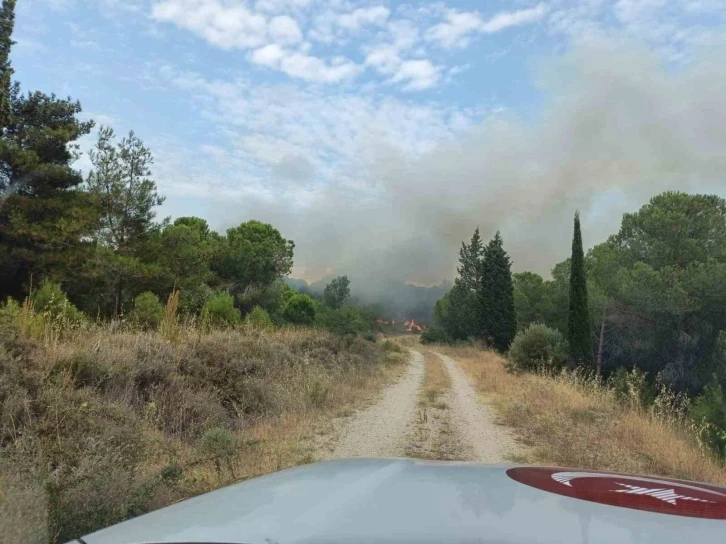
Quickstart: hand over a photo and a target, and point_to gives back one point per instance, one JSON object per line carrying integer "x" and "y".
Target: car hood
{"x": 403, "y": 500}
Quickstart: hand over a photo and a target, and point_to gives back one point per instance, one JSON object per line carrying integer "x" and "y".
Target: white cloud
{"x": 460, "y": 25}
{"x": 353, "y": 21}
{"x": 226, "y": 25}
{"x": 285, "y": 30}
{"x": 418, "y": 74}
{"x": 306, "y": 67}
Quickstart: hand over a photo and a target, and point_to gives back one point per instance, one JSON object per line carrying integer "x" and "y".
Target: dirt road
{"x": 392, "y": 425}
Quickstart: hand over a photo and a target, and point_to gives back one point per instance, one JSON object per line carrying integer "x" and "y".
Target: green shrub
{"x": 299, "y": 310}
{"x": 370, "y": 337}
{"x": 632, "y": 387}
{"x": 435, "y": 335}
{"x": 148, "y": 311}
{"x": 537, "y": 347}
{"x": 50, "y": 299}
{"x": 346, "y": 321}
{"x": 708, "y": 412}
{"x": 217, "y": 442}
{"x": 259, "y": 319}
{"x": 221, "y": 311}
{"x": 193, "y": 299}
{"x": 391, "y": 346}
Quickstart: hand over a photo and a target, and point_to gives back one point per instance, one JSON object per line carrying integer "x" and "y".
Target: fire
{"x": 412, "y": 326}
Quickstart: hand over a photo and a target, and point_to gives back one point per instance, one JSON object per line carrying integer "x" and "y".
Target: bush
{"x": 632, "y": 387}
{"x": 50, "y": 299}
{"x": 193, "y": 299}
{"x": 343, "y": 321}
{"x": 148, "y": 311}
{"x": 259, "y": 319}
{"x": 221, "y": 311}
{"x": 435, "y": 335}
{"x": 709, "y": 413}
{"x": 392, "y": 347}
{"x": 299, "y": 310}
{"x": 537, "y": 347}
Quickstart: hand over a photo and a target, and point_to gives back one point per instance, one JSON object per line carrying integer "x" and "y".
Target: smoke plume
{"x": 617, "y": 126}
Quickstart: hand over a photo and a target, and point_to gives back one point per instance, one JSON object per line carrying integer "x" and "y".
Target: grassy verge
{"x": 99, "y": 426}
{"x": 570, "y": 422}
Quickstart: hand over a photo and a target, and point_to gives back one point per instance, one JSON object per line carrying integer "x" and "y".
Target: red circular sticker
{"x": 662, "y": 495}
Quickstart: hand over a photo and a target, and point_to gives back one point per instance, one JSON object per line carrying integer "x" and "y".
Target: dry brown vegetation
{"x": 573, "y": 422}
{"x": 433, "y": 435}
{"x": 99, "y": 426}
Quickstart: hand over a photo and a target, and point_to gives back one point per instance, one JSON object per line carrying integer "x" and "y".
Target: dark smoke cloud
{"x": 617, "y": 127}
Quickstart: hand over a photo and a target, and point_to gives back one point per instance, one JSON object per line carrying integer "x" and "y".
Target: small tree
{"x": 578, "y": 322}
{"x": 537, "y": 347}
{"x": 336, "y": 292}
{"x": 148, "y": 310}
{"x": 258, "y": 318}
{"x": 299, "y": 310}
{"x": 221, "y": 311}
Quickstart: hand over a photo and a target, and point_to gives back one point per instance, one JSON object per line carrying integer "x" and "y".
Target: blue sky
{"x": 308, "y": 113}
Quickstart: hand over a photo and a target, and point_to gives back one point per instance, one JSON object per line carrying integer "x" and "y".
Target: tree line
{"x": 95, "y": 241}
{"x": 650, "y": 300}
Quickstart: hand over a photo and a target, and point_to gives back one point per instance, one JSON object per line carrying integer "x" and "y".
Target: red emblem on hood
{"x": 662, "y": 495}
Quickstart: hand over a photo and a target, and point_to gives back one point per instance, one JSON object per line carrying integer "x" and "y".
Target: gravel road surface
{"x": 386, "y": 428}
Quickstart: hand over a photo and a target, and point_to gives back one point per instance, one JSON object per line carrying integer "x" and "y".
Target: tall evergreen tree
{"x": 125, "y": 196}
{"x": 44, "y": 220}
{"x": 499, "y": 318}
{"x": 464, "y": 317}
{"x": 7, "y": 22}
{"x": 578, "y": 322}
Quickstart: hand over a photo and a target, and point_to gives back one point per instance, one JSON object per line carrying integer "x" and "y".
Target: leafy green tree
{"x": 251, "y": 255}
{"x": 537, "y": 347}
{"x": 299, "y": 310}
{"x": 148, "y": 310}
{"x": 674, "y": 229}
{"x": 499, "y": 318}
{"x": 184, "y": 255}
{"x": 579, "y": 334}
{"x": 44, "y": 219}
{"x": 221, "y": 311}
{"x": 258, "y": 318}
{"x": 7, "y": 22}
{"x": 336, "y": 292}
{"x": 122, "y": 190}
{"x": 50, "y": 299}
{"x": 533, "y": 299}
{"x": 125, "y": 197}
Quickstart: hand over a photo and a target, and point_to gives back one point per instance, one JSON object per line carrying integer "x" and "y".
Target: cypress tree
{"x": 499, "y": 318}
{"x": 578, "y": 322}
{"x": 7, "y": 22}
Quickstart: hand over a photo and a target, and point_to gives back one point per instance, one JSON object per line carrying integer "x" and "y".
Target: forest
{"x": 645, "y": 307}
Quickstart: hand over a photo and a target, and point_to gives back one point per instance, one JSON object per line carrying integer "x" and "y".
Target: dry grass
{"x": 436, "y": 382}
{"x": 110, "y": 424}
{"x": 433, "y": 436}
{"x": 574, "y": 423}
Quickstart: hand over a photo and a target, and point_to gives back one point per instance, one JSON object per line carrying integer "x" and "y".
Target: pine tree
{"x": 7, "y": 22}
{"x": 578, "y": 323}
{"x": 499, "y": 318}
{"x": 464, "y": 300}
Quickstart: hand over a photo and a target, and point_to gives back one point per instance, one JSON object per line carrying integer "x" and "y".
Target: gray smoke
{"x": 617, "y": 127}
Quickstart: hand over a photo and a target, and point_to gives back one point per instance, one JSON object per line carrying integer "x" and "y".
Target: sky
{"x": 377, "y": 135}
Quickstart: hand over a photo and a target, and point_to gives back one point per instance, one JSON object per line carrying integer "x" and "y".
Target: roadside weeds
{"x": 565, "y": 423}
